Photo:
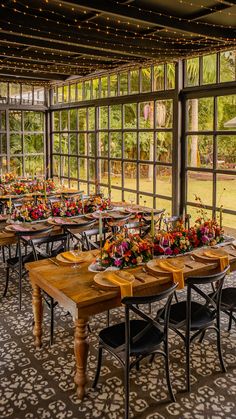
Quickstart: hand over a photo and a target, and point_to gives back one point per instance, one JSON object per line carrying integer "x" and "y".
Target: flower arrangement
{"x": 96, "y": 202}
{"x": 67, "y": 209}
{"x": 8, "y": 178}
{"x": 29, "y": 212}
{"x": 203, "y": 233}
{"x": 125, "y": 251}
{"x": 42, "y": 186}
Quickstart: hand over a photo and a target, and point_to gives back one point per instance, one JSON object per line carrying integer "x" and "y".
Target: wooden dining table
{"x": 77, "y": 293}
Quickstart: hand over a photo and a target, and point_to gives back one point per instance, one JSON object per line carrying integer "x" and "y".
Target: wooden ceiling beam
{"x": 31, "y": 75}
{"x": 141, "y": 16}
{"x": 208, "y": 10}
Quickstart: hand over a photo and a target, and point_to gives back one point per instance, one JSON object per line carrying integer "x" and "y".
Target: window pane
{"x": 116, "y": 172}
{"x": 226, "y": 106}
{"x": 113, "y": 85}
{"x": 2, "y": 120}
{"x": 130, "y": 175}
{"x": 3, "y": 92}
{"x": 103, "y": 172}
{"x": 64, "y": 120}
{"x": 34, "y": 165}
{"x": 33, "y": 143}
{"x": 59, "y": 94}
{"x": 87, "y": 90}
{"x": 27, "y": 94}
{"x": 164, "y": 113}
{"x": 103, "y": 144}
{"x": 134, "y": 81}
{"x": 146, "y": 79}
{"x": 91, "y": 118}
{"x": 200, "y": 151}
{"x": 91, "y": 144}
{"x": 16, "y": 144}
{"x": 200, "y": 114}
{"x": 130, "y": 145}
{"x": 82, "y": 169}
{"x": 116, "y": 144}
{"x": 56, "y": 121}
{"x": 14, "y": 92}
{"x": 73, "y": 119}
{"x": 95, "y": 85}
{"x": 227, "y": 66}
{"x": 226, "y": 191}
{"x": 15, "y": 120}
{"x": 146, "y": 178}
{"x": 16, "y": 165}
{"x": 192, "y": 76}
{"x": 73, "y": 143}
{"x": 164, "y": 204}
{"x": 64, "y": 167}
{"x": 79, "y": 91}
{"x": 146, "y": 145}
{"x": 73, "y": 167}
{"x": 104, "y": 87}
{"x": 123, "y": 83}
{"x": 130, "y": 113}
{"x": 33, "y": 121}
{"x": 200, "y": 184}
{"x": 3, "y": 164}
{"x": 226, "y": 152}
{"x": 164, "y": 180}
{"x": 72, "y": 92}
{"x": 3, "y": 144}
{"x": 170, "y": 76}
{"x": 103, "y": 119}
{"x": 64, "y": 144}
{"x": 159, "y": 77}
{"x": 82, "y": 119}
{"x": 56, "y": 143}
{"x": 82, "y": 142}
{"x": 39, "y": 95}
{"x": 164, "y": 147}
{"x": 115, "y": 116}
{"x": 66, "y": 93}
{"x": 209, "y": 69}
{"x": 146, "y": 111}
{"x": 92, "y": 170}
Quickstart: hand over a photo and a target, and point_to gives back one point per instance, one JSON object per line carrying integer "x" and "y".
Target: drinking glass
{"x": 76, "y": 252}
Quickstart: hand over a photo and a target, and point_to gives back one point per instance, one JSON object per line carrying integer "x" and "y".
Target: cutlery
{"x": 139, "y": 279}
{"x": 53, "y": 261}
{"x": 188, "y": 266}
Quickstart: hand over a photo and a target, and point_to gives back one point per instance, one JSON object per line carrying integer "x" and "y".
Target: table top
{"x": 77, "y": 292}
{"x": 38, "y": 193}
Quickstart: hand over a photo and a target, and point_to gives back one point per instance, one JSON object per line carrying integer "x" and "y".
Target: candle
{"x": 45, "y": 190}
{"x": 100, "y": 229}
{"x": 82, "y": 198}
{"x": 10, "y": 205}
{"x": 152, "y": 225}
{"x": 221, "y": 216}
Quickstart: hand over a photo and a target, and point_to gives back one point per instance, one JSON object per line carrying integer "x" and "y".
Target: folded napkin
{"x": 17, "y": 227}
{"x": 59, "y": 220}
{"x": 72, "y": 258}
{"x": 126, "y": 288}
{"x": 177, "y": 273}
{"x": 222, "y": 256}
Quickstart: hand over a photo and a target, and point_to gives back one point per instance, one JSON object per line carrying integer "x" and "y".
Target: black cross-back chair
{"x": 131, "y": 341}
{"x": 190, "y": 318}
{"x": 137, "y": 227}
{"x": 32, "y": 239}
{"x": 228, "y": 304}
{"x": 91, "y": 240}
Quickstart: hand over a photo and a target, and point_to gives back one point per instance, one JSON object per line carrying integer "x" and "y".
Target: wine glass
{"x": 76, "y": 252}
{"x": 131, "y": 199}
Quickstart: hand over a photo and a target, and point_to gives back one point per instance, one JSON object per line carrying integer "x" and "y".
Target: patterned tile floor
{"x": 39, "y": 383}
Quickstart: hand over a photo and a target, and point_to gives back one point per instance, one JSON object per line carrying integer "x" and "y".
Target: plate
{"x": 202, "y": 256}
{"x": 154, "y": 265}
{"x": 101, "y": 278}
{"x": 84, "y": 258}
{"x": 95, "y": 267}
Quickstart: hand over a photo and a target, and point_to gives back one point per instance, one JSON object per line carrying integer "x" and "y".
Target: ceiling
{"x": 58, "y": 39}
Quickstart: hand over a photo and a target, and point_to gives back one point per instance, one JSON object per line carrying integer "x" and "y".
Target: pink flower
{"x": 117, "y": 262}
{"x": 168, "y": 251}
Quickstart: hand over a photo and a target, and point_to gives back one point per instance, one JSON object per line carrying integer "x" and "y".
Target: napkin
{"x": 177, "y": 273}
{"x": 126, "y": 288}
{"x": 222, "y": 256}
{"x": 72, "y": 258}
{"x": 17, "y": 227}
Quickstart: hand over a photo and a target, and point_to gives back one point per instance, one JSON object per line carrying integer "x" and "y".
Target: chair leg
{"x": 202, "y": 336}
{"x": 108, "y": 318}
{"x": 223, "y": 369}
{"x": 167, "y": 367}
{"x": 51, "y": 320}
{"x": 7, "y": 281}
{"x": 176, "y": 297}
{"x": 230, "y": 321}
{"x": 127, "y": 387}
{"x": 188, "y": 363}
{"x": 3, "y": 254}
{"x": 98, "y": 367}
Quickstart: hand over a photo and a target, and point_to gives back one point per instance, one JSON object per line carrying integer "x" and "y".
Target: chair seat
{"x": 114, "y": 336}
{"x": 201, "y": 315}
{"x": 228, "y": 297}
{"x": 14, "y": 261}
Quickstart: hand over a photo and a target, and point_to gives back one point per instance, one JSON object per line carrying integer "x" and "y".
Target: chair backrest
{"x": 90, "y": 238}
{"x": 138, "y": 227}
{"x": 132, "y": 304}
{"x": 212, "y": 301}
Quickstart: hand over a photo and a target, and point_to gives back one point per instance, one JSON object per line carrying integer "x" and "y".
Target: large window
{"x": 18, "y": 93}
{"x": 123, "y": 149}
{"x": 22, "y": 149}
{"x": 211, "y": 155}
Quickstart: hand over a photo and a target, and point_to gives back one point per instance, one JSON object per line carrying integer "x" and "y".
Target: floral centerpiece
{"x": 125, "y": 251}
{"x": 67, "y": 209}
{"x": 30, "y": 212}
{"x": 203, "y": 233}
{"x": 96, "y": 202}
{"x": 8, "y": 178}
{"x": 45, "y": 186}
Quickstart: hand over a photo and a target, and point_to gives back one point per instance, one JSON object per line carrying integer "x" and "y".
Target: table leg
{"x": 38, "y": 314}
{"x": 81, "y": 347}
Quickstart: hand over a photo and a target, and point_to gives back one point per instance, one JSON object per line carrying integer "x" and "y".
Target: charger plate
{"x": 202, "y": 254}
{"x": 154, "y": 265}
{"x": 86, "y": 257}
{"x": 101, "y": 278}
